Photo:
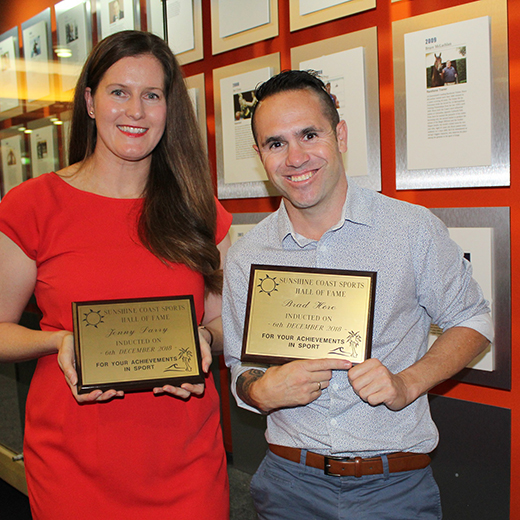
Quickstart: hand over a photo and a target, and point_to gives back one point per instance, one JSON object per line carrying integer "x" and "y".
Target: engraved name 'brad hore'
{"x": 338, "y": 305}
{"x": 314, "y": 305}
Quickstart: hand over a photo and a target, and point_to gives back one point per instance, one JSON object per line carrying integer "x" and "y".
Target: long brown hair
{"x": 178, "y": 220}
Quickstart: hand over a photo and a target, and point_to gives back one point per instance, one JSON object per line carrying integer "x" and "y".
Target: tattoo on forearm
{"x": 244, "y": 383}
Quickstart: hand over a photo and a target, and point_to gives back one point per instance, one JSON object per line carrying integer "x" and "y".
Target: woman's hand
{"x": 187, "y": 389}
{"x": 67, "y": 363}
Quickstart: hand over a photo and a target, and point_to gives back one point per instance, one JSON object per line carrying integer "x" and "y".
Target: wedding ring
{"x": 319, "y": 386}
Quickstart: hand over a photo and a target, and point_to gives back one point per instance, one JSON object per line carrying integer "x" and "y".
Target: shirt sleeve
{"x": 445, "y": 285}
{"x": 482, "y": 324}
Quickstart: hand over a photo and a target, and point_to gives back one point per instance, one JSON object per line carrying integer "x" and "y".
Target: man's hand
{"x": 375, "y": 384}
{"x": 293, "y": 384}
{"x": 450, "y": 353}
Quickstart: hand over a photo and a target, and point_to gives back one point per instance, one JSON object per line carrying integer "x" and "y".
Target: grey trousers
{"x": 285, "y": 490}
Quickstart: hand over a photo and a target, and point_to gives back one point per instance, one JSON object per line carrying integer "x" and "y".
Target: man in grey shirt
{"x": 449, "y": 74}
{"x": 348, "y": 441}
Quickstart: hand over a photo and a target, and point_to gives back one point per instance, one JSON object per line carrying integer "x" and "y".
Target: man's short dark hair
{"x": 297, "y": 80}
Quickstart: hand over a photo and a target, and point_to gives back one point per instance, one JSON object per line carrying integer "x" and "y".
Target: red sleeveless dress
{"x": 141, "y": 457}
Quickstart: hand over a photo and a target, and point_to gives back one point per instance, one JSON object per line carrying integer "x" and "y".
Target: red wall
{"x": 14, "y": 12}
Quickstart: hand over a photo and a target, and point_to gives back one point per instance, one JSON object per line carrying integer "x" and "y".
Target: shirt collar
{"x": 358, "y": 206}
{"x": 355, "y": 209}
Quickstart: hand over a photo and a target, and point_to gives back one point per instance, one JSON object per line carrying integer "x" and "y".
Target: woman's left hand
{"x": 187, "y": 389}
{"x": 67, "y": 363}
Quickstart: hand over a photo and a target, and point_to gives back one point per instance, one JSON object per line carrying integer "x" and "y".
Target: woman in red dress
{"x": 133, "y": 216}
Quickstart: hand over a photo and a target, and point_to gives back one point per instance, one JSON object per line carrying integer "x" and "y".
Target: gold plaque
{"x": 136, "y": 344}
{"x": 307, "y": 313}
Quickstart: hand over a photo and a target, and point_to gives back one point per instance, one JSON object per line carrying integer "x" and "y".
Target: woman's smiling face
{"x": 129, "y": 107}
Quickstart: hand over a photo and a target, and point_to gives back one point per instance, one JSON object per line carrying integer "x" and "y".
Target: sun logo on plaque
{"x": 93, "y": 318}
{"x": 268, "y": 285}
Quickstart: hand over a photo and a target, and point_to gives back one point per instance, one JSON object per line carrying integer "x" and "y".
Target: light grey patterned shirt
{"x": 422, "y": 278}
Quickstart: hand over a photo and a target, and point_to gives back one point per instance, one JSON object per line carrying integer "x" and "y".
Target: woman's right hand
{"x": 67, "y": 362}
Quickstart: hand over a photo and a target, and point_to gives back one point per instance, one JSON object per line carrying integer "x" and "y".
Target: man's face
{"x": 300, "y": 151}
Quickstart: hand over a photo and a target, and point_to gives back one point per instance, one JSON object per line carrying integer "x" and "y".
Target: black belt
{"x": 357, "y": 466}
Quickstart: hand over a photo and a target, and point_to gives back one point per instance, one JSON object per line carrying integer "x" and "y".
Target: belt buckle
{"x": 326, "y": 465}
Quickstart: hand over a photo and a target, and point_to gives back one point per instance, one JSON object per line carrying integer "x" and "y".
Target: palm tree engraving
{"x": 185, "y": 355}
{"x": 354, "y": 340}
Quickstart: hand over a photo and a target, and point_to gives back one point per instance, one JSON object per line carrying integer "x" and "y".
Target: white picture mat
{"x": 237, "y": 231}
{"x": 367, "y": 39}
{"x": 36, "y": 54}
{"x": 12, "y": 168}
{"x": 311, "y": 6}
{"x": 449, "y": 126}
{"x": 345, "y": 72}
{"x": 194, "y": 94}
{"x": 236, "y": 16}
{"x": 256, "y": 33}
{"x": 43, "y": 158}
{"x": 154, "y": 13}
{"x": 180, "y": 23}
{"x": 196, "y": 91}
{"x": 73, "y": 34}
{"x": 321, "y": 14}
{"x": 478, "y": 242}
{"x": 243, "y": 223}
{"x": 198, "y": 101}
{"x": 8, "y": 75}
{"x": 114, "y": 20}
{"x": 181, "y": 35}
{"x": 241, "y": 162}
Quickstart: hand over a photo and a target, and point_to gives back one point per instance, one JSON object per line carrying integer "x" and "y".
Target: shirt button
{"x": 335, "y": 386}
{"x": 333, "y": 422}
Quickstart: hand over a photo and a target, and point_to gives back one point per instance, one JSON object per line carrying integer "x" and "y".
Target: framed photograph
{"x": 117, "y": 15}
{"x": 305, "y": 13}
{"x": 240, "y": 173}
{"x": 12, "y": 149}
{"x": 451, "y": 98}
{"x": 74, "y": 28}
{"x": 10, "y": 75}
{"x": 43, "y": 137}
{"x": 484, "y": 236}
{"x": 236, "y": 23}
{"x": 183, "y": 27}
{"x": 348, "y": 66}
{"x": 195, "y": 85}
{"x": 37, "y": 50}
{"x": 244, "y": 222}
